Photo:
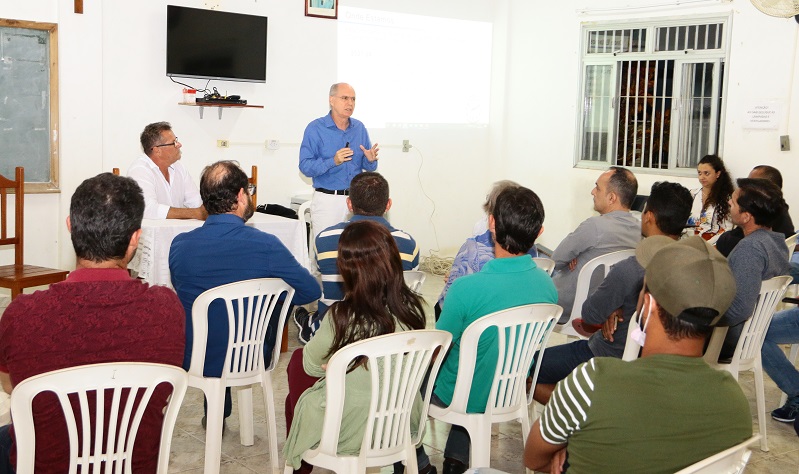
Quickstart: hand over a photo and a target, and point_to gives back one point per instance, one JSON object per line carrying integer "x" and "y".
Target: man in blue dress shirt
{"x": 335, "y": 148}
{"x": 225, "y": 250}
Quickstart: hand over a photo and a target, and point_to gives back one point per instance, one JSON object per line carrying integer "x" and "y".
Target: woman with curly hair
{"x": 710, "y": 213}
{"x": 376, "y": 302}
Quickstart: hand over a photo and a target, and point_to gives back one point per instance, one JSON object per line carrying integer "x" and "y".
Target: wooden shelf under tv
{"x": 220, "y": 107}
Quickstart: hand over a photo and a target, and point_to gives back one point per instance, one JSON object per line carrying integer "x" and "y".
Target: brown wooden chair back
{"x": 17, "y": 187}
{"x": 254, "y": 181}
{"x": 19, "y": 276}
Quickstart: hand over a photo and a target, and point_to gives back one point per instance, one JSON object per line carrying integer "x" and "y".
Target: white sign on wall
{"x": 762, "y": 114}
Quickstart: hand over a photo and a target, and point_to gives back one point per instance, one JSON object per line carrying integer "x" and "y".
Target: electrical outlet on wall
{"x": 223, "y": 144}
{"x": 272, "y": 144}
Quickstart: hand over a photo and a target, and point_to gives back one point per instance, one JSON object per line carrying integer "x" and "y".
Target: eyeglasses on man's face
{"x": 347, "y": 98}
{"x": 174, "y": 144}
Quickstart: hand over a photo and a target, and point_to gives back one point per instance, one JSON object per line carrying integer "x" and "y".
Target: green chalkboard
{"x": 27, "y": 113}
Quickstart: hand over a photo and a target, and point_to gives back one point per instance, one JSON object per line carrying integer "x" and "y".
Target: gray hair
{"x": 496, "y": 189}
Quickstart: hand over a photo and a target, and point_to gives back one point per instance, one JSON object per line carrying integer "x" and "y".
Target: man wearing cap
{"x": 668, "y": 409}
{"x": 615, "y": 300}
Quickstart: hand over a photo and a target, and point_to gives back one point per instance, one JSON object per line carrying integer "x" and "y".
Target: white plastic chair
{"x": 254, "y": 301}
{"x": 414, "y": 279}
{"x": 303, "y": 209}
{"x": 101, "y": 444}
{"x": 747, "y": 352}
{"x": 631, "y": 348}
{"x": 584, "y": 286}
{"x": 729, "y": 461}
{"x": 521, "y": 332}
{"x": 546, "y": 264}
{"x": 790, "y": 242}
{"x": 397, "y": 364}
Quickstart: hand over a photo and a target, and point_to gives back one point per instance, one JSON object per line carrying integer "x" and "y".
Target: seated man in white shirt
{"x": 169, "y": 192}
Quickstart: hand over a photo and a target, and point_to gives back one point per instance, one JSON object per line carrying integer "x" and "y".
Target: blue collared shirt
{"x": 320, "y": 142}
{"x": 225, "y": 250}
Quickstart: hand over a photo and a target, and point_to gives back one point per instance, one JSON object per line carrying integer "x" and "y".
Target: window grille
{"x": 652, "y": 104}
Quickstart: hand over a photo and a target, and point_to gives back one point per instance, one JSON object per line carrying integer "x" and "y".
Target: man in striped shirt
{"x": 368, "y": 200}
{"x": 666, "y": 410}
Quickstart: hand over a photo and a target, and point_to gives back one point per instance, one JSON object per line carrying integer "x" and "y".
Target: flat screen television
{"x": 208, "y": 44}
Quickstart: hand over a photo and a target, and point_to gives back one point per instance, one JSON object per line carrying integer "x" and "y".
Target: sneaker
{"x": 300, "y": 317}
{"x": 306, "y": 330}
{"x": 788, "y": 412}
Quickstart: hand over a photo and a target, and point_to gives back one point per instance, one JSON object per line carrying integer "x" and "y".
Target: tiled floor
{"x": 188, "y": 442}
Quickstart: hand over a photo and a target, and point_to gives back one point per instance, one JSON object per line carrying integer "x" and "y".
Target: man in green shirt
{"x": 666, "y": 410}
{"x": 511, "y": 279}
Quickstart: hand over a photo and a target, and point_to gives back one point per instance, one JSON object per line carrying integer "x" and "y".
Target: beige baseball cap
{"x": 687, "y": 273}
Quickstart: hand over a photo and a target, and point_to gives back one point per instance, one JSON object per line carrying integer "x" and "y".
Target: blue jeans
{"x": 560, "y": 361}
{"x": 5, "y": 450}
{"x": 458, "y": 442}
{"x": 784, "y": 329}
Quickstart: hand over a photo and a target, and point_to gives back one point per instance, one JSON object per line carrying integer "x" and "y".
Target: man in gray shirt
{"x": 614, "y": 301}
{"x": 614, "y": 229}
{"x": 760, "y": 255}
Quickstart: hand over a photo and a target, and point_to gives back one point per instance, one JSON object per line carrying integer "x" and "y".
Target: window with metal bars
{"x": 652, "y": 93}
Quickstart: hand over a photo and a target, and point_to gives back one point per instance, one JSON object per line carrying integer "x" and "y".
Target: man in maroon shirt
{"x": 99, "y": 314}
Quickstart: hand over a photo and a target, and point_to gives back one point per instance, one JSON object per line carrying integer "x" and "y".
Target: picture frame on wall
{"x": 322, "y": 8}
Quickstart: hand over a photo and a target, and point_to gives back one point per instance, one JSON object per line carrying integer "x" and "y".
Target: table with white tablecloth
{"x": 151, "y": 262}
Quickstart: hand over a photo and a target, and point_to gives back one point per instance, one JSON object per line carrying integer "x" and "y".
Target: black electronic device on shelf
{"x": 215, "y": 98}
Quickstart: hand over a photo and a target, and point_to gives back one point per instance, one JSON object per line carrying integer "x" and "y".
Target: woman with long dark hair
{"x": 710, "y": 213}
{"x": 376, "y": 302}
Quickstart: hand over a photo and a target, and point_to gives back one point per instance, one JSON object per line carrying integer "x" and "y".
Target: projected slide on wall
{"x": 412, "y": 71}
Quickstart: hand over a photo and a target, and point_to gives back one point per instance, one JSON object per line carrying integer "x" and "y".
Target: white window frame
{"x": 719, "y": 57}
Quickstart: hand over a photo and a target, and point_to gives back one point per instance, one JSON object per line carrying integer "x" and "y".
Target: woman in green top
{"x": 376, "y": 302}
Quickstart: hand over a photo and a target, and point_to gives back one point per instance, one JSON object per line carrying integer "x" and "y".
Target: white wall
{"x": 112, "y": 83}
{"x": 543, "y": 76}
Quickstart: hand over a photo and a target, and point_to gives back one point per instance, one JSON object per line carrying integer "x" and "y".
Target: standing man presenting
{"x": 335, "y": 148}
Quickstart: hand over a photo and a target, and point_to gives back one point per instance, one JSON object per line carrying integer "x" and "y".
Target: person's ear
{"x": 349, "y": 204}
{"x": 388, "y": 205}
{"x": 492, "y": 223}
{"x": 69, "y": 225}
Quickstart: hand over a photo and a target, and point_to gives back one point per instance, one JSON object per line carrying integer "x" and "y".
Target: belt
{"x": 338, "y": 192}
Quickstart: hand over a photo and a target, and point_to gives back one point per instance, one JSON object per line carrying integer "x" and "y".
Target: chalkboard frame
{"x": 52, "y": 185}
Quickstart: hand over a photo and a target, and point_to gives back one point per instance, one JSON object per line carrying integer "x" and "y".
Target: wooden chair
{"x": 254, "y": 181}
{"x": 18, "y": 276}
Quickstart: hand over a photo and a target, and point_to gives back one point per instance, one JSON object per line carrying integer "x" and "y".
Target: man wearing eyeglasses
{"x": 334, "y": 149}
{"x": 169, "y": 192}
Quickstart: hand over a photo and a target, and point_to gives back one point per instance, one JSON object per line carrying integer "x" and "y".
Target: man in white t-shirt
{"x": 169, "y": 192}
